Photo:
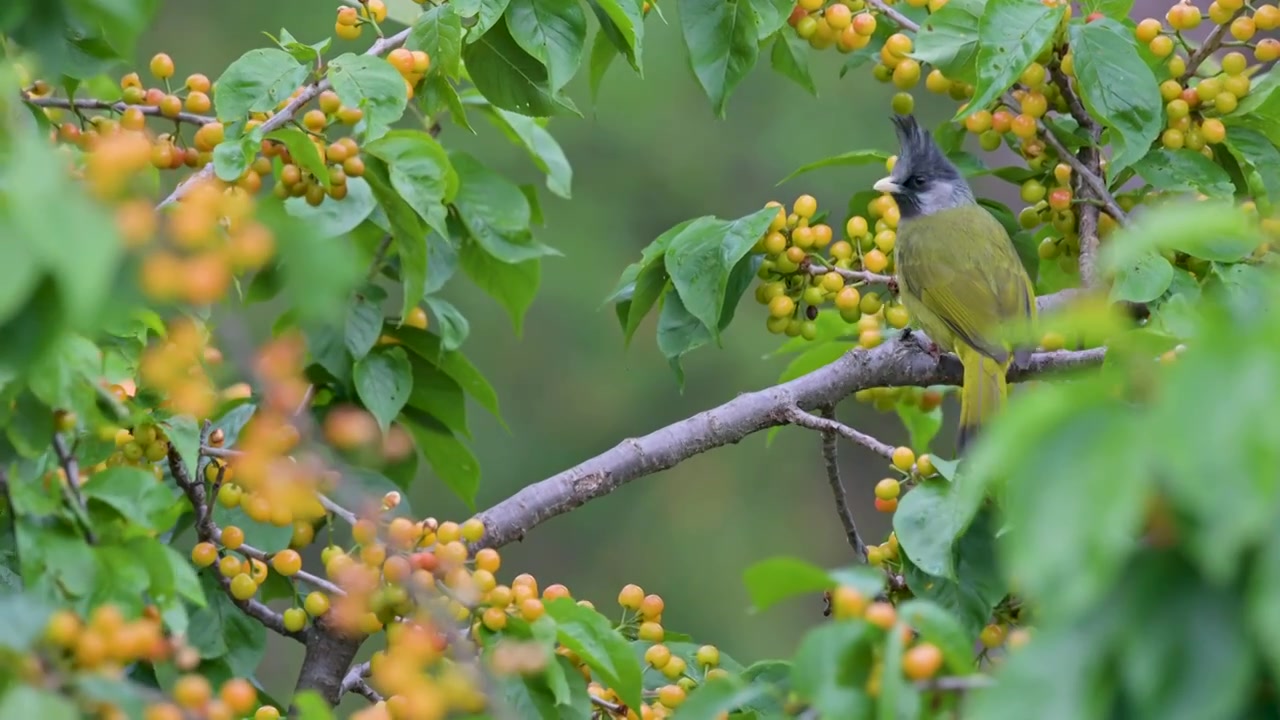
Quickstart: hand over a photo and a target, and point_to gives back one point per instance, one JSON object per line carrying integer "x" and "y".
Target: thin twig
{"x": 355, "y": 682}
{"x": 855, "y": 275}
{"x": 307, "y": 396}
{"x": 957, "y": 683}
{"x": 71, "y": 488}
{"x": 610, "y": 707}
{"x": 831, "y": 456}
{"x": 116, "y": 107}
{"x": 903, "y": 21}
{"x": 286, "y": 114}
{"x": 328, "y": 504}
{"x": 796, "y": 416}
{"x": 379, "y": 256}
{"x": 1211, "y": 43}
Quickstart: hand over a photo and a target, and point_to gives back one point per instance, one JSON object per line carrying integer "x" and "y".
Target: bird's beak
{"x": 886, "y": 185}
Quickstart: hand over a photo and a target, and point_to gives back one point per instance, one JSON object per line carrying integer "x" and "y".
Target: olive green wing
{"x": 964, "y": 268}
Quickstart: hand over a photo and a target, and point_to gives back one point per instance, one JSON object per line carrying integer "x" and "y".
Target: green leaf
{"x": 927, "y": 527}
{"x": 1263, "y": 612}
{"x": 511, "y": 78}
{"x": 131, "y": 492}
{"x": 27, "y": 701}
{"x": 438, "y": 94}
{"x": 1011, "y": 34}
{"x": 553, "y": 32}
{"x": 790, "y": 58}
{"x": 408, "y": 231}
{"x": 713, "y": 698}
{"x": 588, "y": 634}
{"x": 364, "y": 321}
{"x": 602, "y": 54}
{"x": 855, "y": 157}
{"x": 383, "y": 382}
{"x": 1213, "y": 230}
{"x": 369, "y": 83}
{"x": 453, "y": 325}
{"x": 1117, "y": 88}
{"x": 438, "y": 395}
{"x": 1143, "y": 281}
{"x": 771, "y": 16}
{"x": 650, "y": 284}
{"x": 319, "y": 273}
{"x": 948, "y": 39}
{"x": 420, "y": 171}
{"x": 1117, "y": 9}
{"x": 496, "y": 213}
{"x": 232, "y": 157}
{"x": 778, "y": 578}
{"x": 540, "y": 144}
{"x": 454, "y": 364}
{"x": 1257, "y": 153}
{"x": 223, "y": 631}
{"x": 981, "y": 585}
{"x": 334, "y": 218}
{"x": 831, "y": 668}
{"x": 303, "y": 53}
{"x": 184, "y": 436}
{"x": 487, "y": 13}
{"x": 25, "y": 618}
{"x": 679, "y": 332}
{"x": 438, "y": 32}
{"x": 449, "y": 458}
{"x": 303, "y": 151}
{"x": 513, "y": 286}
{"x": 921, "y": 426}
{"x": 1184, "y": 171}
{"x": 310, "y": 705}
{"x": 701, "y": 257}
{"x": 818, "y": 356}
{"x": 939, "y": 627}
{"x": 256, "y": 82}
{"x": 721, "y": 37}
{"x": 622, "y": 24}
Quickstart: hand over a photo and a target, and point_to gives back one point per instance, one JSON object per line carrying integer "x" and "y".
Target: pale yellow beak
{"x": 886, "y": 185}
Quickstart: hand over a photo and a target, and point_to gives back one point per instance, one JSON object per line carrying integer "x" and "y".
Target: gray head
{"x": 923, "y": 180}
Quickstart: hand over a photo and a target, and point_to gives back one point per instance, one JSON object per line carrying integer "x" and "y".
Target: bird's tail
{"x": 981, "y": 396}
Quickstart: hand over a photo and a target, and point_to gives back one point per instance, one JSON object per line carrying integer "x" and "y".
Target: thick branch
{"x": 831, "y": 458}
{"x": 324, "y": 666}
{"x": 894, "y": 363}
{"x": 381, "y": 47}
{"x": 117, "y": 107}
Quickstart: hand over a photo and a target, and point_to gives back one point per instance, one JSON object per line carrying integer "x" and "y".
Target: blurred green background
{"x": 648, "y": 155}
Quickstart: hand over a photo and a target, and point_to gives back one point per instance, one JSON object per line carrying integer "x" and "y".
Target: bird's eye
{"x": 915, "y": 180}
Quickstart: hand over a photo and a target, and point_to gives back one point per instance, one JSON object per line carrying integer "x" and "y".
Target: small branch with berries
{"x": 1211, "y": 43}
{"x": 116, "y": 107}
{"x": 284, "y": 116}
{"x": 71, "y": 487}
{"x": 208, "y": 532}
{"x": 795, "y": 416}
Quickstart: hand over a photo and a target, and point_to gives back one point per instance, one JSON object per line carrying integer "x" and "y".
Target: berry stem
{"x": 71, "y": 488}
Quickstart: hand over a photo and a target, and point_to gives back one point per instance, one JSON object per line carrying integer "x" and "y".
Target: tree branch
{"x": 829, "y": 426}
{"x": 855, "y": 275}
{"x": 831, "y": 457}
{"x": 71, "y": 488}
{"x": 116, "y": 107}
{"x": 286, "y": 114}
{"x": 1211, "y": 43}
{"x": 903, "y": 21}
{"x": 895, "y": 363}
{"x": 355, "y": 682}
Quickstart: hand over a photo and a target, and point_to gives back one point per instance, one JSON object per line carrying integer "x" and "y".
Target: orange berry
{"x": 922, "y": 661}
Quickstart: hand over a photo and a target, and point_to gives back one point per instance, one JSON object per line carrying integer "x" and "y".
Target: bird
{"x": 957, "y": 272}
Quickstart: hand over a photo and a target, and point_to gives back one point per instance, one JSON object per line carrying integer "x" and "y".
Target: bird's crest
{"x": 916, "y": 143}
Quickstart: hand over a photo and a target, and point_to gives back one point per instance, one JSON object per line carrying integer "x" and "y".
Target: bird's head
{"x": 923, "y": 180}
